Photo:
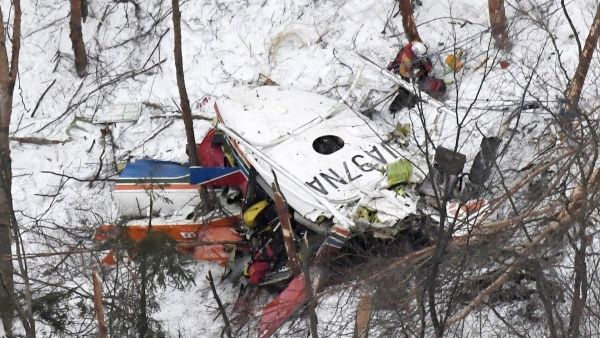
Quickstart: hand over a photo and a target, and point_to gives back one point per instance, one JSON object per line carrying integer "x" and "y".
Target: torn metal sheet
{"x": 118, "y": 113}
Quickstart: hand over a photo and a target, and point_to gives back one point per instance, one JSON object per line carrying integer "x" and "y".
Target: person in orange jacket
{"x": 412, "y": 62}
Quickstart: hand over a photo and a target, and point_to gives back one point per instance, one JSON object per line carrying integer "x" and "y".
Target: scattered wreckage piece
{"x": 119, "y": 113}
{"x": 466, "y": 212}
{"x": 165, "y": 184}
{"x": 173, "y": 186}
{"x": 206, "y": 241}
{"x": 151, "y": 188}
{"x": 483, "y": 162}
{"x": 280, "y": 309}
{"x": 444, "y": 177}
{"x": 170, "y": 185}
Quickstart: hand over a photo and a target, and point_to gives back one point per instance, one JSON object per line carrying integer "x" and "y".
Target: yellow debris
{"x": 252, "y": 213}
{"x": 453, "y": 62}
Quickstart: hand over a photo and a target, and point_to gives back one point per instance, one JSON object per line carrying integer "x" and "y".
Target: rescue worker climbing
{"x": 412, "y": 62}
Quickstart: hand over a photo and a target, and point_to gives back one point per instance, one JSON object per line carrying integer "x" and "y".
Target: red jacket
{"x": 257, "y": 271}
{"x": 261, "y": 264}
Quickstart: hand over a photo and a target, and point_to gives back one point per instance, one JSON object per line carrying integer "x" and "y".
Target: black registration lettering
{"x": 350, "y": 178}
{"x": 317, "y": 185}
{"x": 389, "y": 150}
{"x": 375, "y": 154}
{"x": 365, "y": 167}
{"x": 334, "y": 178}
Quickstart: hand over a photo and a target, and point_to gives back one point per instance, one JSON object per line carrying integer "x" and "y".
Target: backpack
{"x": 435, "y": 87}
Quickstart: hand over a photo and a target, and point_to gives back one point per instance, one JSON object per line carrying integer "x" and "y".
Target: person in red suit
{"x": 412, "y": 62}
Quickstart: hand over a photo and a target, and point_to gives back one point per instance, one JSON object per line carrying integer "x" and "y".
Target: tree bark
{"x": 76, "y": 36}
{"x": 227, "y": 329}
{"x": 8, "y": 76}
{"x": 186, "y": 110}
{"x": 7, "y": 306}
{"x": 286, "y": 229}
{"x": 580, "y": 283}
{"x": 574, "y": 90}
{"x": 84, "y": 10}
{"x": 102, "y": 331}
{"x": 363, "y": 315}
{"x": 498, "y": 23}
{"x": 408, "y": 20}
{"x": 142, "y": 319}
{"x": 310, "y": 291}
{"x": 545, "y": 297}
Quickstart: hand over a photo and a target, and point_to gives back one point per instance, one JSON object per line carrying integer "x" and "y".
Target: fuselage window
{"x": 327, "y": 144}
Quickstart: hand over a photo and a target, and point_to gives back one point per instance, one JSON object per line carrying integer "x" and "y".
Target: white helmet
{"x": 419, "y": 48}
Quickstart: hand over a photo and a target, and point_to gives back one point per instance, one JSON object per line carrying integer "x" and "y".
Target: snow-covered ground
{"x": 304, "y": 44}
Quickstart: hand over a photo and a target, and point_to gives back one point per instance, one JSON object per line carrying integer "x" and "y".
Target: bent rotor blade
{"x": 280, "y": 309}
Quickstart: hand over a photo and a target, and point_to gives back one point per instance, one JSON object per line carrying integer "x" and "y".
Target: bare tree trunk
{"x": 286, "y": 229}
{"x": 7, "y": 306}
{"x": 8, "y": 76}
{"x": 76, "y": 36}
{"x": 574, "y": 90}
{"x": 580, "y": 284}
{"x": 363, "y": 315}
{"x": 545, "y": 294}
{"x": 431, "y": 285}
{"x": 311, "y": 306}
{"x": 186, "y": 110}
{"x": 498, "y": 23}
{"x": 408, "y": 20}
{"x": 227, "y": 329}
{"x": 142, "y": 319}
{"x": 84, "y": 10}
{"x": 102, "y": 332}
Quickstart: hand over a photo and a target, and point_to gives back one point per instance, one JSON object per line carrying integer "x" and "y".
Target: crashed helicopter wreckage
{"x": 329, "y": 162}
{"x": 340, "y": 179}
